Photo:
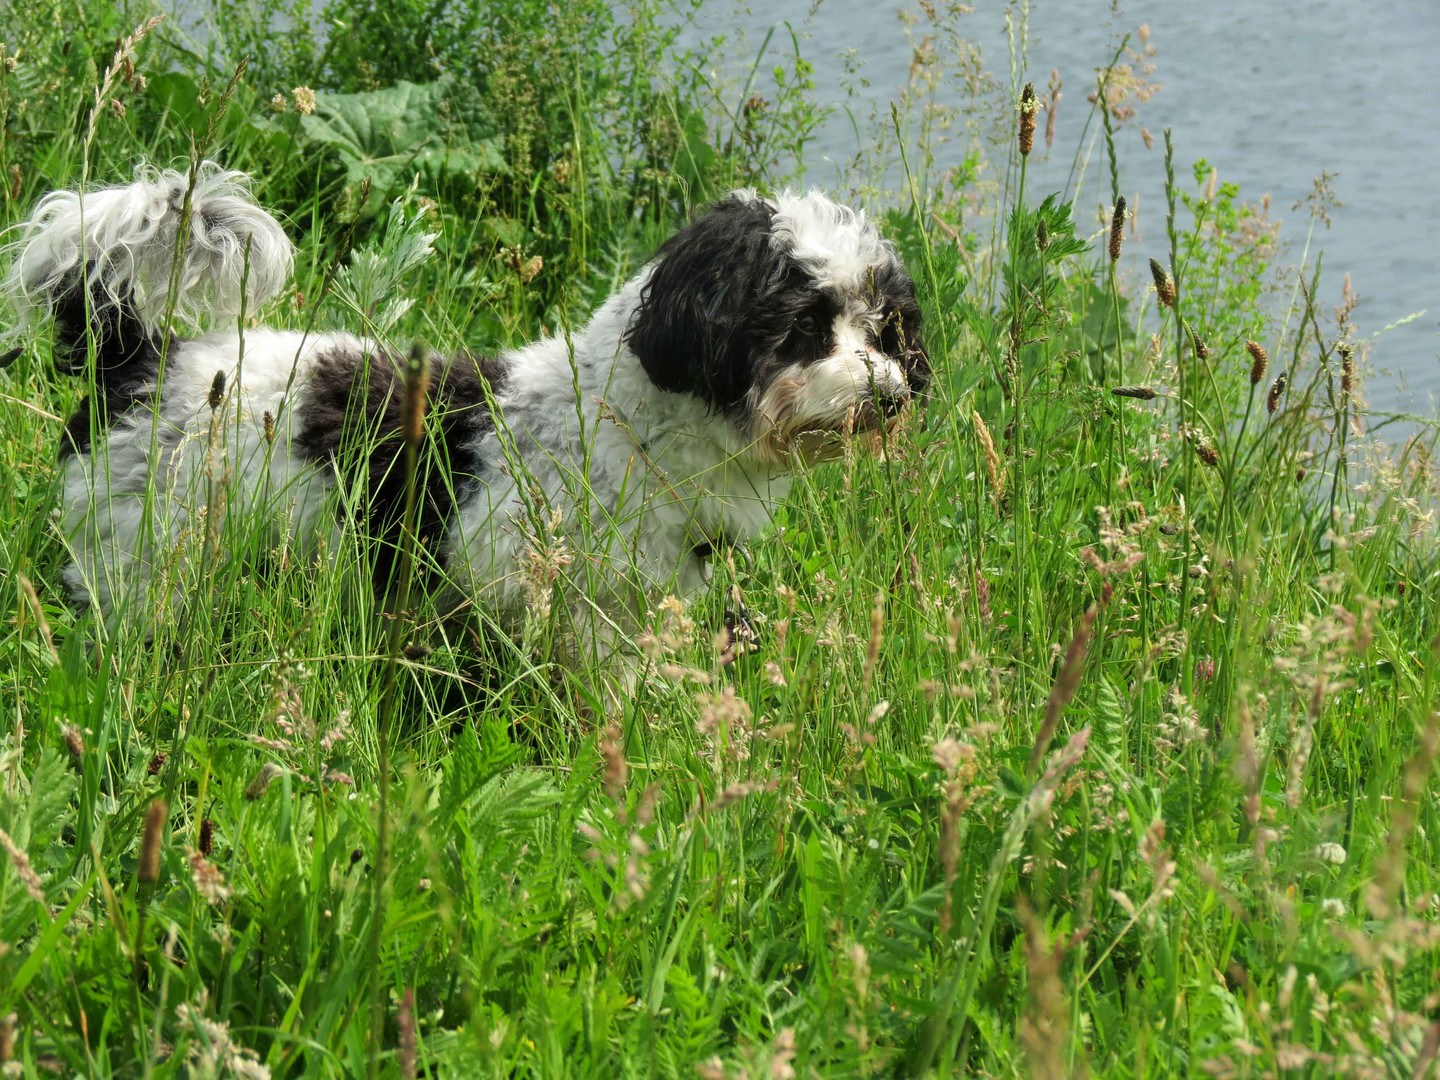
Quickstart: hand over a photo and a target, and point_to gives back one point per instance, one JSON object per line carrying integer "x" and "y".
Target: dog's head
{"x": 791, "y": 316}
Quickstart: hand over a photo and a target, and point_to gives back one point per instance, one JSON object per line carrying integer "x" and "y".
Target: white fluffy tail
{"x": 119, "y": 244}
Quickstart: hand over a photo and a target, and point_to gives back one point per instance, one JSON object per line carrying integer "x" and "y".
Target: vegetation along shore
{"x": 1088, "y": 729}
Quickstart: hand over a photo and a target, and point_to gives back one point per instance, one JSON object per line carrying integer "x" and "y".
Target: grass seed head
{"x": 1259, "y": 361}
{"x": 1139, "y": 393}
{"x": 206, "y": 876}
{"x": 1164, "y": 284}
{"x": 1053, "y": 107}
{"x": 155, "y": 817}
{"x": 992, "y": 458}
{"x": 1042, "y": 235}
{"x": 207, "y": 837}
{"x": 23, "y": 868}
{"x": 1277, "y": 390}
{"x": 417, "y": 384}
{"x": 1117, "y": 229}
{"x": 1029, "y": 106}
{"x": 1202, "y": 351}
{"x": 263, "y": 779}
{"x": 217, "y": 391}
{"x": 1347, "y": 368}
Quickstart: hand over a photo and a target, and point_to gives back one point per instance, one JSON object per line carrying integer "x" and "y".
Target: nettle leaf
{"x": 442, "y": 129}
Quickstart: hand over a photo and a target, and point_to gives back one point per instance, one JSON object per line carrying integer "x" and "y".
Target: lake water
{"x": 1271, "y": 92}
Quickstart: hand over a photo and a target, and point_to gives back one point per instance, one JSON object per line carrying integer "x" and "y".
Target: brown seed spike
{"x": 269, "y": 427}
{"x": 1042, "y": 234}
{"x": 217, "y": 391}
{"x": 1207, "y": 454}
{"x": 1259, "y": 361}
{"x": 156, "y": 763}
{"x": 207, "y": 836}
{"x": 1272, "y": 401}
{"x": 1164, "y": 284}
{"x": 1202, "y": 351}
{"x": 1139, "y": 393}
{"x": 1028, "y": 108}
{"x": 1347, "y": 368}
{"x": 417, "y": 383}
{"x": 1117, "y": 229}
{"x": 155, "y": 817}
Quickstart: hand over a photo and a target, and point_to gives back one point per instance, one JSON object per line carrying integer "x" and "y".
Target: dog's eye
{"x": 806, "y": 324}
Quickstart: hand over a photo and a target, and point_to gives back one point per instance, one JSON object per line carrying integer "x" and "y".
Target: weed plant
{"x": 1089, "y": 730}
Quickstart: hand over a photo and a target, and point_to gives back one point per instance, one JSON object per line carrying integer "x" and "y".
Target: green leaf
{"x": 441, "y": 129}
{"x": 472, "y": 761}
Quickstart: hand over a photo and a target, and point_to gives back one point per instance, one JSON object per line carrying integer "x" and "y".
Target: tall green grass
{"x": 1084, "y": 733}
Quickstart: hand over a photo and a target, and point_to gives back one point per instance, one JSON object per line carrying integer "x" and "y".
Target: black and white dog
{"x": 760, "y": 336}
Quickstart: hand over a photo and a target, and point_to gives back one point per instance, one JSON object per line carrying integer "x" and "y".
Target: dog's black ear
{"x": 692, "y": 331}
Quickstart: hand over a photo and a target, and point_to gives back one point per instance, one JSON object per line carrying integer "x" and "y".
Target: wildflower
{"x": 214, "y": 1051}
{"x": 1259, "y": 361}
{"x": 1331, "y": 853}
{"x": 208, "y": 880}
{"x": 155, "y": 818}
{"x": 23, "y": 869}
{"x": 1272, "y": 400}
{"x": 1207, "y": 454}
{"x": 304, "y": 100}
{"x": 1028, "y": 108}
{"x": 1164, "y": 284}
{"x": 531, "y": 268}
{"x": 1117, "y": 229}
{"x": 1139, "y": 393}
{"x": 279, "y": 104}
{"x": 1333, "y": 906}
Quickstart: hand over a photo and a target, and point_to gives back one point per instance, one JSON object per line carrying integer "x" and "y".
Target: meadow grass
{"x": 1089, "y": 729}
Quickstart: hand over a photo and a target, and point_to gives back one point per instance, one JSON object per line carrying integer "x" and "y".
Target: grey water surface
{"x": 1271, "y": 92}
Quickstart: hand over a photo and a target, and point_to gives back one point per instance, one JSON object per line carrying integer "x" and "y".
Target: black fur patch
{"x": 695, "y": 330}
{"x": 350, "y": 421}
{"x": 127, "y": 360}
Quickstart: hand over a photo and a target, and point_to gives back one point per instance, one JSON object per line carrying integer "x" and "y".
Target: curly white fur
{"x": 124, "y": 240}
